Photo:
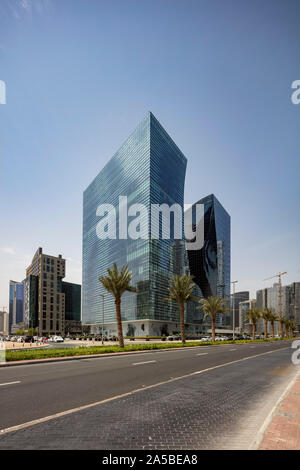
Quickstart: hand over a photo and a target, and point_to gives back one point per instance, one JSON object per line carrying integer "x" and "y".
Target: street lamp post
{"x": 233, "y": 311}
{"x": 102, "y": 295}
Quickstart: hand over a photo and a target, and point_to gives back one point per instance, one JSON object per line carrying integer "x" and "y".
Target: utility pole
{"x": 233, "y": 310}
{"x": 102, "y": 336}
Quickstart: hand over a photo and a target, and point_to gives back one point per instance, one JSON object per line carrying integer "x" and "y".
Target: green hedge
{"x": 88, "y": 350}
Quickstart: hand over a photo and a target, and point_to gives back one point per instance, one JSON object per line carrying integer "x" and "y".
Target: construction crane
{"x": 279, "y": 289}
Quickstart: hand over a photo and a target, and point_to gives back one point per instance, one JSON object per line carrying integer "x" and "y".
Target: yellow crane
{"x": 279, "y": 289}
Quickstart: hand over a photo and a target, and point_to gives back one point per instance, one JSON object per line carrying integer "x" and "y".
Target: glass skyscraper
{"x": 148, "y": 169}
{"x": 16, "y": 303}
{"x": 210, "y": 265}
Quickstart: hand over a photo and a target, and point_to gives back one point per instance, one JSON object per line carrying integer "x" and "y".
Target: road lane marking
{"x": 139, "y": 363}
{"x": 201, "y": 354}
{"x": 107, "y": 400}
{"x": 11, "y": 383}
{"x": 232, "y": 350}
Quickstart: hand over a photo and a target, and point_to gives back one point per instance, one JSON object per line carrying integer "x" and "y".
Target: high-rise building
{"x": 4, "y": 323}
{"x": 148, "y": 169}
{"x": 16, "y": 304}
{"x": 294, "y": 303}
{"x": 210, "y": 264}
{"x": 45, "y": 301}
{"x": 245, "y": 325}
{"x": 72, "y": 293}
{"x": 237, "y": 298}
{"x": 290, "y": 301}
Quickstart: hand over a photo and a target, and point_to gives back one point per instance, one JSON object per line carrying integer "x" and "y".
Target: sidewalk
{"x": 12, "y": 345}
{"x": 284, "y": 431}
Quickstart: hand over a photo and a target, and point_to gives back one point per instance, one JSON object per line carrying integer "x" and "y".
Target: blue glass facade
{"x": 210, "y": 265}
{"x": 148, "y": 169}
{"x": 16, "y": 303}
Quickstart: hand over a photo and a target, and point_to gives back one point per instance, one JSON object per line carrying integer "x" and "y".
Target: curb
{"x": 264, "y": 428}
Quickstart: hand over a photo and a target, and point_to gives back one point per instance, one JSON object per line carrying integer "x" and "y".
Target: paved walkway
{"x": 284, "y": 431}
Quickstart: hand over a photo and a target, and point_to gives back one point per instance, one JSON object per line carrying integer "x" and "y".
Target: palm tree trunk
{"x": 253, "y": 330}
{"x": 281, "y": 330}
{"x": 181, "y": 308}
{"x": 213, "y": 328}
{"x": 273, "y": 334}
{"x": 266, "y": 329}
{"x": 119, "y": 322}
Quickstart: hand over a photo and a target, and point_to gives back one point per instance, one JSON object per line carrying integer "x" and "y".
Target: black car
{"x": 28, "y": 339}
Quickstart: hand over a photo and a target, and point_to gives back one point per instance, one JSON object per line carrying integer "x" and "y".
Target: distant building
{"x": 45, "y": 302}
{"x": 245, "y": 325}
{"x": 16, "y": 303}
{"x": 49, "y": 301}
{"x": 4, "y": 330}
{"x": 72, "y": 301}
{"x": 294, "y": 303}
{"x": 72, "y": 307}
{"x": 237, "y": 299}
{"x": 290, "y": 301}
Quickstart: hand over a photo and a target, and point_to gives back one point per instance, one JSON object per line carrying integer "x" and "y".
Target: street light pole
{"x": 233, "y": 311}
{"x": 102, "y": 295}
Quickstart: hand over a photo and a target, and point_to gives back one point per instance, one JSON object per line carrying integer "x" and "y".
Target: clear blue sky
{"x": 81, "y": 74}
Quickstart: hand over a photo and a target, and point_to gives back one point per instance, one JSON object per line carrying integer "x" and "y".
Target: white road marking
{"x": 148, "y": 387}
{"x": 232, "y": 349}
{"x": 201, "y": 354}
{"x": 11, "y": 383}
{"x": 139, "y": 363}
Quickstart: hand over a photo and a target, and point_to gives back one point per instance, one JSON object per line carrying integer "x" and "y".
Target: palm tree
{"x": 293, "y": 327}
{"x": 181, "y": 290}
{"x": 212, "y": 306}
{"x": 273, "y": 319}
{"x": 118, "y": 282}
{"x": 282, "y": 321}
{"x": 253, "y": 315}
{"x": 286, "y": 325}
{"x": 266, "y": 314}
{"x": 290, "y": 327}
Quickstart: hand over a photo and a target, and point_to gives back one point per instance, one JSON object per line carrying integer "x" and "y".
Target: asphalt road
{"x": 248, "y": 373}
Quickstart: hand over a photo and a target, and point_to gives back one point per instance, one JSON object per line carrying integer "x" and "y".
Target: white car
{"x": 58, "y": 339}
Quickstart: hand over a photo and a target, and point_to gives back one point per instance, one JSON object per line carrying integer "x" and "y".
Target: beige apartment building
{"x": 46, "y": 313}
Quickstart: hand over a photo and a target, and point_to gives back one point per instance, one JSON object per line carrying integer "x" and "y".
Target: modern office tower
{"x": 31, "y": 317}
{"x": 148, "y": 169}
{"x": 72, "y": 300}
{"x": 238, "y": 297}
{"x": 16, "y": 304}
{"x": 44, "y": 280}
{"x": 244, "y": 325}
{"x": 72, "y": 307}
{"x": 210, "y": 265}
{"x": 4, "y": 323}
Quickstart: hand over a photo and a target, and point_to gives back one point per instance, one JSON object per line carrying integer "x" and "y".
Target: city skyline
{"x": 60, "y": 125}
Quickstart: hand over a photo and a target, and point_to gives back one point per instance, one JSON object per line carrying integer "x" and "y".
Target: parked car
{"x": 58, "y": 339}
{"x": 28, "y": 339}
